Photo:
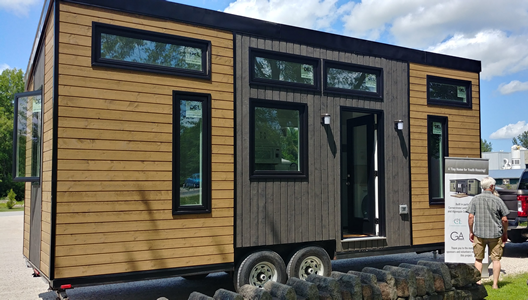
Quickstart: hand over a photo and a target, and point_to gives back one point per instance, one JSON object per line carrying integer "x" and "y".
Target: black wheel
{"x": 195, "y": 277}
{"x": 307, "y": 261}
{"x": 515, "y": 236}
{"x": 259, "y": 268}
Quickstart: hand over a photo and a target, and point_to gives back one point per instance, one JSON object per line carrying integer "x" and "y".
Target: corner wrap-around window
{"x": 191, "y": 153}
{"x": 27, "y": 136}
{"x": 128, "y": 48}
{"x": 274, "y": 68}
{"x": 342, "y": 78}
{"x": 278, "y": 139}
{"x": 448, "y": 91}
{"x": 437, "y": 150}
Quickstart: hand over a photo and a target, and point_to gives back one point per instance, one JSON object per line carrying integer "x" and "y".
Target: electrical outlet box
{"x": 403, "y": 209}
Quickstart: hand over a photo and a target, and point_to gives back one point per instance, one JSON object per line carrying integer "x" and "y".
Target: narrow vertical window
{"x": 437, "y": 150}
{"x": 27, "y": 136}
{"x": 191, "y": 153}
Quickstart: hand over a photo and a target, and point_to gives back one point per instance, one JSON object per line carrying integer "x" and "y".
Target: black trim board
{"x": 204, "y": 17}
{"x": 390, "y": 250}
{"x": 139, "y": 276}
{"x": 55, "y": 130}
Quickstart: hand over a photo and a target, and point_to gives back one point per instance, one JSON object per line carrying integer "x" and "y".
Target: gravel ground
{"x": 17, "y": 282}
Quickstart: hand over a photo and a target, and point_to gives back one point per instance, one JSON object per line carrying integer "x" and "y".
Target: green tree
{"x": 485, "y": 146}
{"x": 521, "y": 139}
{"x": 11, "y": 82}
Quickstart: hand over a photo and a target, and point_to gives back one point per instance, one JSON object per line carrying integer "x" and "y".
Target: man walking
{"x": 488, "y": 225}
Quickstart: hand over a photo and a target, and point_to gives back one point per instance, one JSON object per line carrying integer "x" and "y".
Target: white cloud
{"x": 510, "y": 131}
{"x": 499, "y": 53}
{"x": 18, "y": 7}
{"x": 314, "y": 14}
{"x": 512, "y": 87}
{"x": 3, "y": 67}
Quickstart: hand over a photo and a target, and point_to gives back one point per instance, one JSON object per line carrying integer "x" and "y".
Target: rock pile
{"x": 424, "y": 281}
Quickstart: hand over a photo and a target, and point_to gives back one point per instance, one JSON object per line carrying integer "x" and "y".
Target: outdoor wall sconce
{"x": 398, "y": 125}
{"x": 325, "y": 119}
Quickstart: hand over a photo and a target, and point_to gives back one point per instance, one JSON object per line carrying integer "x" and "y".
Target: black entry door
{"x": 361, "y": 175}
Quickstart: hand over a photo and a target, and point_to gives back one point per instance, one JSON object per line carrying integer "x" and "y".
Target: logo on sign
{"x": 456, "y": 236}
{"x": 457, "y": 221}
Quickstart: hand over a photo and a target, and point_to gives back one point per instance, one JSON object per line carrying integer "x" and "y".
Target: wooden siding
{"x": 47, "y": 146}
{"x": 463, "y": 140}
{"x": 114, "y": 185}
{"x": 275, "y": 211}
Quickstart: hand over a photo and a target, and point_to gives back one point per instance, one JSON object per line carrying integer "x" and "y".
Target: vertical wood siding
{"x": 114, "y": 189}
{"x": 463, "y": 139}
{"x": 290, "y": 211}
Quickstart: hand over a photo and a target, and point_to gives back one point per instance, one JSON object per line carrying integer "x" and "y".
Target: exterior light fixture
{"x": 325, "y": 119}
{"x": 398, "y": 125}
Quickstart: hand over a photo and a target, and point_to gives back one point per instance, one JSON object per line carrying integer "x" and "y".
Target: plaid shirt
{"x": 488, "y": 210}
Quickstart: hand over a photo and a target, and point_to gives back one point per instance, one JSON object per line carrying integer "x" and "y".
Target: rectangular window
{"x": 447, "y": 91}
{"x": 121, "y": 47}
{"x": 278, "y": 139}
{"x": 272, "y": 68}
{"x": 437, "y": 150}
{"x": 191, "y": 153}
{"x": 342, "y": 78}
{"x": 27, "y": 152}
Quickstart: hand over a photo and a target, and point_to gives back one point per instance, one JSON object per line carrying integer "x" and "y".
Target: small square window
{"x": 342, "y": 78}
{"x": 279, "y": 69}
{"x": 448, "y": 91}
{"x": 134, "y": 49}
{"x": 278, "y": 139}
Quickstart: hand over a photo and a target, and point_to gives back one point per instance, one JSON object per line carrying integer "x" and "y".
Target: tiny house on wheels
{"x": 158, "y": 139}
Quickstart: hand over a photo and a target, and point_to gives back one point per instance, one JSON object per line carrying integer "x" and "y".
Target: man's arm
{"x": 471, "y": 220}
{"x": 504, "y": 229}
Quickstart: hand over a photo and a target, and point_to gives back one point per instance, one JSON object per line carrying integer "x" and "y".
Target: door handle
{"x": 347, "y": 183}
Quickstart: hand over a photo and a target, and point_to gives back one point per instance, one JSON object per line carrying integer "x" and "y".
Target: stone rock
{"x": 326, "y": 285}
{"x": 280, "y": 291}
{"x": 422, "y": 271}
{"x": 462, "y": 274}
{"x": 252, "y": 292}
{"x": 477, "y": 291}
{"x": 199, "y": 296}
{"x": 370, "y": 280}
{"x": 438, "y": 283}
{"x": 405, "y": 281}
{"x": 222, "y": 294}
{"x": 350, "y": 285}
{"x": 303, "y": 288}
{"x": 440, "y": 269}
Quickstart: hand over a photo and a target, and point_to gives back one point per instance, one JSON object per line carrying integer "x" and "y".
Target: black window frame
{"x": 97, "y": 60}
{"x": 15, "y": 136}
{"x": 303, "y": 140}
{"x": 466, "y": 83}
{"x": 445, "y": 137}
{"x": 205, "y": 207}
{"x": 315, "y": 62}
{"x": 378, "y": 95}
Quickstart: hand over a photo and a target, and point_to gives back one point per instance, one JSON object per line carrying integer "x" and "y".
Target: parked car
{"x": 517, "y": 202}
{"x": 193, "y": 181}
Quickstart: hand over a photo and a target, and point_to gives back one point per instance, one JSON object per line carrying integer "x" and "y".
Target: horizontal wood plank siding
{"x": 275, "y": 211}
{"x": 114, "y": 179}
{"x": 463, "y": 140}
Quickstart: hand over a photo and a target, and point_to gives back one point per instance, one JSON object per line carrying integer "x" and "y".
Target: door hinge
{"x": 375, "y": 173}
{"x": 376, "y": 221}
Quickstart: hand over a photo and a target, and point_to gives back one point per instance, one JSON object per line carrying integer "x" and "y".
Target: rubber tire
{"x": 516, "y": 237}
{"x": 242, "y": 273}
{"x": 297, "y": 259}
{"x": 196, "y": 277}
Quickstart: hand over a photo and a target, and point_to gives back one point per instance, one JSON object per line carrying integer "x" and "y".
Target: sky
{"x": 494, "y": 32}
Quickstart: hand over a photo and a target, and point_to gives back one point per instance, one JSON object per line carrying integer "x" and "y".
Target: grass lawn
{"x": 513, "y": 287}
{"x": 3, "y": 207}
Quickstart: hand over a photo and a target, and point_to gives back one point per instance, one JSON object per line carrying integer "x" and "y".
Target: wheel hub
{"x": 311, "y": 265}
{"x": 262, "y": 273}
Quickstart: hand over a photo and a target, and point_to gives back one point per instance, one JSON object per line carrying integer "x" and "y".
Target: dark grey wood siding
{"x": 279, "y": 211}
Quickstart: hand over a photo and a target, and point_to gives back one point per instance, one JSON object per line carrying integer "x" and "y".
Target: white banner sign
{"x": 462, "y": 182}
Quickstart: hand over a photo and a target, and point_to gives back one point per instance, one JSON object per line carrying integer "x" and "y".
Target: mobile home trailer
{"x": 159, "y": 139}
